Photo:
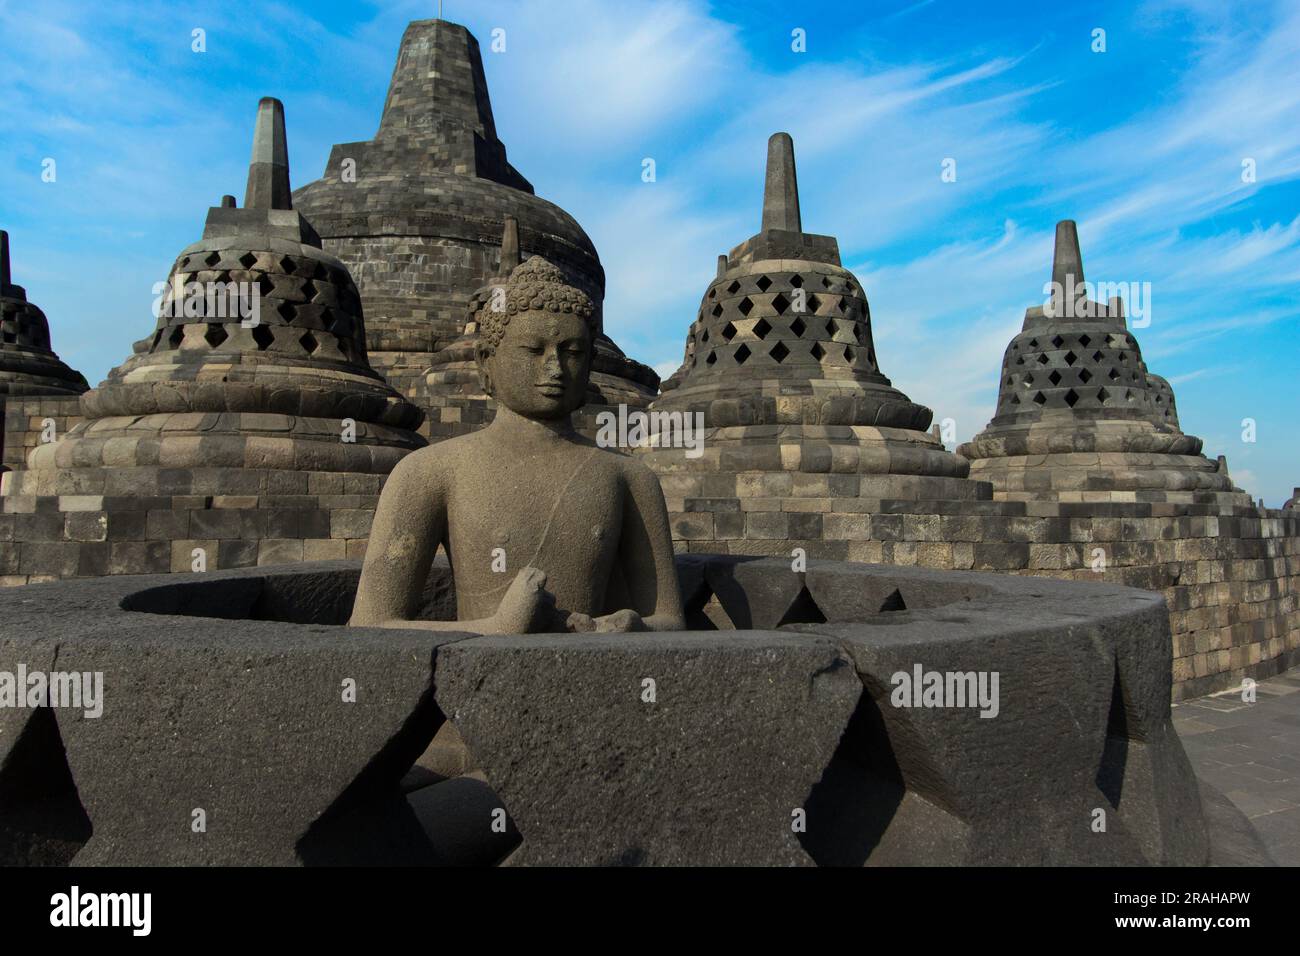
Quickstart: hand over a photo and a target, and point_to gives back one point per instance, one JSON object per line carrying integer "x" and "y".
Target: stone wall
{"x": 23, "y": 425}
{"x": 311, "y": 516}
{"x": 1231, "y": 580}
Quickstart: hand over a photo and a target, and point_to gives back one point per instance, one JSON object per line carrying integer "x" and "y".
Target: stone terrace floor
{"x": 1251, "y": 753}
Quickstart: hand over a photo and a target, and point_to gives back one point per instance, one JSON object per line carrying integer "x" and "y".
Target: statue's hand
{"x": 620, "y": 622}
{"x": 579, "y": 623}
{"x": 526, "y": 607}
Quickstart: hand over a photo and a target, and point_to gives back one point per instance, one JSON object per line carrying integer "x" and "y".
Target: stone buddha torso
{"x": 561, "y": 511}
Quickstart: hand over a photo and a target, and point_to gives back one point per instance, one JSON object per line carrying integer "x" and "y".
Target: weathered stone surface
{"x": 794, "y": 422}
{"x": 254, "y": 379}
{"x": 42, "y": 823}
{"x": 258, "y": 359}
{"x": 740, "y": 729}
{"x": 744, "y": 728}
{"x": 1083, "y": 697}
{"x": 546, "y": 530}
{"x": 248, "y": 724}
{"x": 453, "y": 393}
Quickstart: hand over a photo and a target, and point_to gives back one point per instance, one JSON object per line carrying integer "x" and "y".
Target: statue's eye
{"x": 532, "y": 349}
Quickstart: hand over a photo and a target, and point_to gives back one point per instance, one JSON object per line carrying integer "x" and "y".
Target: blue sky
{"x": 1142, "y": 145}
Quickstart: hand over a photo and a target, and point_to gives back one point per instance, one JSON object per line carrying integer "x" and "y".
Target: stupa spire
{"x": 438, "y": 78}
{"x": 268, "y": 171}
{"x": 4, "y": 260}
{"x": 1067, "y": 260}
{"x": 509, "y": 246}
{"x": 781, "y": 188}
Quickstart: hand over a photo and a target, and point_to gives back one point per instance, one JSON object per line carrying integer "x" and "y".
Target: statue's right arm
{"x": 409, "y": 523}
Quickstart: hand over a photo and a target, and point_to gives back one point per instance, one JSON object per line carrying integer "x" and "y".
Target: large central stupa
{"x": 417, "y": 214}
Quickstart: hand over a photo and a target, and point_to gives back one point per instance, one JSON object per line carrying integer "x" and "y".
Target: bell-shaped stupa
{"x": 28, "y": 366}
{"x": 1080, "y": 418}
{"x": 781, "y": 366}
{"x": 417, "y": 214}
{"x": 257, "y": 366}
{"x": 781, "y": 359}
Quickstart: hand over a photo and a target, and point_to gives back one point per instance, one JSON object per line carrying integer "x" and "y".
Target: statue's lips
{"x": 551, "y": 388}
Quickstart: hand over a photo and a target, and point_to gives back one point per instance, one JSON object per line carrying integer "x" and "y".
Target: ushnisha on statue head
{"x": 535, "y": 335}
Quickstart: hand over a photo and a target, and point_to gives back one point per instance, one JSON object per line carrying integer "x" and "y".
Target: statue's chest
{"x": 559, "y": 512}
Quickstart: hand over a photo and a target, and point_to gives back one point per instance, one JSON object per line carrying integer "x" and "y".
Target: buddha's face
{"x": 541, "y": 366}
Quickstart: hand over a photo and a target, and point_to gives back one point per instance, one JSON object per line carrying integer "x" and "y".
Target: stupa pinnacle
{"x": 1079, "y": 417}
{"x": 418, "y": 211}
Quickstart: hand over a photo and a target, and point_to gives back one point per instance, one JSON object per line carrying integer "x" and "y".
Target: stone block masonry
{"x": 1083, "y": 474}
{"x": 29, "y": 370}
{"x": 1231, "y": 581}
{"x": 416, "y": 213}
{"x": 25, "y": 425}
{"x": 297, "y": 516}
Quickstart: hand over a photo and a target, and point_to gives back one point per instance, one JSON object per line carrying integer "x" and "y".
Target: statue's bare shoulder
{"x": 637, "y": 477}
{"x": 430, "y": 468}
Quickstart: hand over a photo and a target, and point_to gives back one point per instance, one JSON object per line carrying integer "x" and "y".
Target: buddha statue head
{"x": 535, "y": 336}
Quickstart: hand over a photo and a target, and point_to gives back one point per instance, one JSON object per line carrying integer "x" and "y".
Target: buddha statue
{"x": 544, "y": 531}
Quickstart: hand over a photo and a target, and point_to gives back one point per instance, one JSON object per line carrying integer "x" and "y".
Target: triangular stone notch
{"x": 893, "y": 602}
{"x": 1114, "y": 756}
{"x": 704, "y": 612}
{"x": 803, "y": 610}
{"x": 42, "y": 820}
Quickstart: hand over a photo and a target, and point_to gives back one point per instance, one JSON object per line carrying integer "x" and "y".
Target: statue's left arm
{"x": 646, "y": 552}
{"x": 408, "y": 527}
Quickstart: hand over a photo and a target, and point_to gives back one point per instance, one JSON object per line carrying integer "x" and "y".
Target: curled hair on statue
{"x": 533, "y": 286}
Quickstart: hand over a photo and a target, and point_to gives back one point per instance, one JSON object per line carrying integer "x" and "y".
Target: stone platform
{"x": 1250, "y": 752}
{"x": 767, "y": 735}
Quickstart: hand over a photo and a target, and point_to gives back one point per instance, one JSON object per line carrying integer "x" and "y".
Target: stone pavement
{"x": 1251, "y": 753}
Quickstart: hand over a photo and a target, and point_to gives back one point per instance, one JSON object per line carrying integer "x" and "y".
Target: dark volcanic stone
{"x": 739, "y": 732}
{"x": 224, "y": 692}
